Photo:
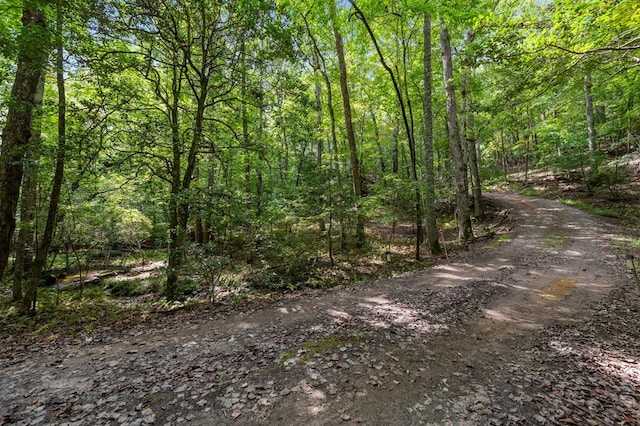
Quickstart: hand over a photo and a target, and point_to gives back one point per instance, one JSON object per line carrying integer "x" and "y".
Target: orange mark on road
{"x": 562, "y": 287}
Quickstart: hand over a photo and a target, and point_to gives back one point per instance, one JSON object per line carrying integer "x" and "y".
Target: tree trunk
{"x": 591, "y": 129}
{"x": 30, "y": 296}
{"x": 395, "y": 149}
{"x": 261, "y": 156}
{"x": 26, "y": 245}
{"x": 176, "y": 237}
{"x": 207, "y": 231}
{"x": 32, "y": 56}
{"x": 319, "y": 144}
{"x": 245, "y": 119}
{"x": 429, "y": 173}
{"x": 351, "y": 138}
{"x": 198, "y": 230}
{"x": 465, "y": 231}
{"x": 381, "y": 163}
{"x": 176, "y": 243}
{"x": 471, "y": 139}
{"x": 284, "y": 170}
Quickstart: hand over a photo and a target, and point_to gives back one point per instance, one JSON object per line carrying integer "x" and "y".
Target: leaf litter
{"x": 396, "y": 351}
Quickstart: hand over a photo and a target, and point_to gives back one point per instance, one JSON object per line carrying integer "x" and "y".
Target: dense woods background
{"x": 256, "y": 142}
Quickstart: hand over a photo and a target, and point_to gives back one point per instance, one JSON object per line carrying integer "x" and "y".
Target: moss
{"x": 312, "y": 347}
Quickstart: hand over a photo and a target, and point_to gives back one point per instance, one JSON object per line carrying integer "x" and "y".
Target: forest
{"x": 157, "y": 153}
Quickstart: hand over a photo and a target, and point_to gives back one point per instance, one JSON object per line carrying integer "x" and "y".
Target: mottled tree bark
{"x": 591, "y": 129}
{"x": 30, "y": 295}
{"x": 429, "y": 172}
{"x": 463, "y": 217}
{"x": 351, "y": 138}
{"x": 26, "y": 244}
{"x": 32, "y": 55}
{"x": 469, "y": 136}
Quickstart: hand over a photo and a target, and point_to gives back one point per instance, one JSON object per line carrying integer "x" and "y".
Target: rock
{"x": 333, "y": 389}
{"x": 285, "y": 392}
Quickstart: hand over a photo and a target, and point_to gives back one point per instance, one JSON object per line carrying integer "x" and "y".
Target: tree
{"x": 30, "y": 295}
{"x": 190, "y": 55}
{"x": 591, "y": 129}
{"x": 429, "y": 172}
{"x": 26, "y": 242}
{"x": 320, "y": 64}
{"x": 33, "y": 49}
{"x": 465, "y": 231}
{"x": 469, "y": 135}
{"x": 351, "y": 138}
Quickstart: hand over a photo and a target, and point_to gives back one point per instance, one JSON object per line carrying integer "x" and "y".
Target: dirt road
{"x": 540, "y": 327}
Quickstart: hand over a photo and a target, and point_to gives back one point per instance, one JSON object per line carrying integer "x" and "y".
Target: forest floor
{"x": 539, "y": 326}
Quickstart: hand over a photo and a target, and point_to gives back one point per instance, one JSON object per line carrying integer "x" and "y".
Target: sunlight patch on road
{"x": 339, "y": 316}
{"x": 453, "y": 275}
{"x": 611, "y": 362}
{"x": 383, "y": 313}
{"x": 512, "y": 316}
{"x": 291, "y": 310}
{"x": 628, "y": 368}
{"x": 561, "y": 288}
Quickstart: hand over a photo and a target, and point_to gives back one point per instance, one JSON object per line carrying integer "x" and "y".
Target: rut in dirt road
{"x": 500, "y": 334}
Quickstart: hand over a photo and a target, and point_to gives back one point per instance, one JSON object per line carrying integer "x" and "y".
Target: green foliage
{"x": 103, "y": 223}
{"x": 126, "y": 287}
{"x": 240, "y": 136}
{"x": 65, "y": 313}
{"x": 188, "y": 286}
{"x": 131, "y": 226}
{"x": 284, "y": 260}
{"x": 632, "y": 244}
{"x": 213, "y": 268}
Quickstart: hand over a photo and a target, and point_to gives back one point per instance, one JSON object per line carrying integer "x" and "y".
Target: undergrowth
{"x": 64, "y": 313}
{"x": 251, "y": 267}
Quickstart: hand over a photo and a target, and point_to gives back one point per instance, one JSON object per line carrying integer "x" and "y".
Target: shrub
{"x": 188, "y": 286}
{"x": 130, "y": 288}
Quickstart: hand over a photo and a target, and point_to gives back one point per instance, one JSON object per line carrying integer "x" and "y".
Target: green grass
{"x": 501, "y": 238}
{"x": 135, "y": 258}
{"x": 632, "y": 244}
{"x": 506, "y": 237}
{"x": 528, "y": 192}
{"x": 589, "y": 208}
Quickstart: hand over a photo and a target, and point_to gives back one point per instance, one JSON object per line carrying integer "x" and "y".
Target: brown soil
{"x": 538, "y": 328}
